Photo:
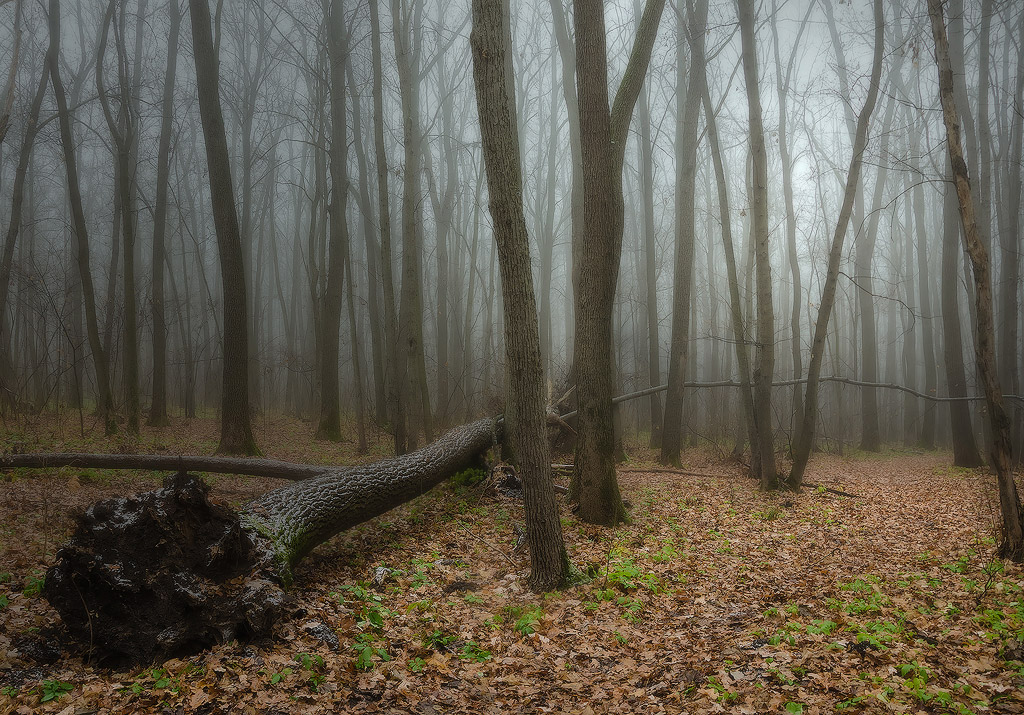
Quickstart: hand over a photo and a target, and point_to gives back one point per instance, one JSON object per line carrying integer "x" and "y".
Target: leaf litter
{"x": 715, "y": 598}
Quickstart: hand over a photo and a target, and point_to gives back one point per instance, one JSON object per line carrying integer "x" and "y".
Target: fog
{"x": 362, "y": 212}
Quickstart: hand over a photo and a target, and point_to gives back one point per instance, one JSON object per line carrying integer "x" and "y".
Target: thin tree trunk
{"x": 1012, "y": 544}
{"x": 687, "y": 118}
{"x": 525, "y": 416}
{"x": 765, "y": 353}
{"x": 805, "y": 437}
{"x": 105, "y": 400}
{"x": 236, "y": 431}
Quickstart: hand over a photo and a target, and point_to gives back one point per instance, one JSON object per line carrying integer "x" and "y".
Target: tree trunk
{"x": 603, "y": 134}
{"x": 687, "y": 119}
{"x": 1012, "y": 545}
{"x": 330, "y": 398}
{"x": 158, "y": 406}
{"x": 236, "y": 431}
{"x": 104, "y": 400}
{"x": 965, "y": 448}
{"x": 805, "y": 437}
{"x": 765, "y": 352}
{"x": 525, "y": 405}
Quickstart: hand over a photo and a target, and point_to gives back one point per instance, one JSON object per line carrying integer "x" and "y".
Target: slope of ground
{"x": 715, "y": 598}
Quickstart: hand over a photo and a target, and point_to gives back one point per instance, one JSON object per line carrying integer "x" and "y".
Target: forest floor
{"x": 715, "y": 598}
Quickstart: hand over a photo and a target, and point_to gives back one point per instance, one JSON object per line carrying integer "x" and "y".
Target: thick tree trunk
{"x": 603, "y": 133}
{"x": 166, "y": 573}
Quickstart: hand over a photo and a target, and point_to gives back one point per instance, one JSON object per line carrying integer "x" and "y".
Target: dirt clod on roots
{"x": 162, "y": 574}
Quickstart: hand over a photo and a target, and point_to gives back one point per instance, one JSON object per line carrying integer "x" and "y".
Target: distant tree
{"x": 235, "y": 428}
{"x": 805, "y": 435}
{"x": 158, "y": 407}
{"x": 525, "y": 403}
{"x": 105, "y": 398}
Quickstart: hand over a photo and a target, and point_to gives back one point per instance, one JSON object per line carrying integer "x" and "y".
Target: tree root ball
{"x": 162, "y": 574}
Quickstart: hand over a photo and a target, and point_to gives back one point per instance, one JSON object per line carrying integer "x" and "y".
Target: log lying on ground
{"x": 167, "y": 573}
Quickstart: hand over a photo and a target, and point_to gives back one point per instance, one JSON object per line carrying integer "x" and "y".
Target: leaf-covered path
{"x": 715, "y": 598}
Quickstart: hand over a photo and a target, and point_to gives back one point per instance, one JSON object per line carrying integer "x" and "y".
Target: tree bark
{"x": 166, "y": 573}
{"x": 158, "y": 406}
{"x": 329, "y": 426}
{"x": 1012, "y": 544}
{"x": 236, "y": 430}
{"x": 105, "y": 399}
{"x": 765, "y": 349}
{"x": 525, "y": 402}
{"x": 603, "y": 135}
{"x": 687, "y": 120}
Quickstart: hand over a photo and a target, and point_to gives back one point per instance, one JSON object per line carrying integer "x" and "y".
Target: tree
{"x": 235, "y": 429}
{"x": 765, "y": 348}
{"x": 158, "y": 407}
{"x": 805, "y": 436}
{"x": 525, "y": 405}
{"x": 687, "y": 116}
{"x": 105, "y": 399}
{"x": 330, "y": 330}
{"x": 603, "y": 136}
{"x": 1012, "y": 545}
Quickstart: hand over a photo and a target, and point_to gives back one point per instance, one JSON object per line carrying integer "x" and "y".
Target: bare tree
{"x": 603, "y": 131}
{"x": 1012, "y": 545}
{"x": 235, "y": 428}
{"x": 525, "y": 404}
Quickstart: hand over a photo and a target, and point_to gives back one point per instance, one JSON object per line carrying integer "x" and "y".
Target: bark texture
{"x": 526, "y": 413}
{"x": 1012, "y": 545}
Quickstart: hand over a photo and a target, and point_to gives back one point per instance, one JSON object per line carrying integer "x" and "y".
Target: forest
{"x": 580, "y": 356}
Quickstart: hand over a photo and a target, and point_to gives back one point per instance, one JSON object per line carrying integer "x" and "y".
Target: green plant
{"x": 366, "y": 650}
{"x": 34, "y": 585}
{"x": 770, "y": 514}
{"x": 795, "y": 708}
{"x": 9, "y": 691}
{"x": 276, "y": 678}
{"x": 312, "y": 664}
{"x": 416, "y": 665}
{"x": 372, "y": 612}
{"x": 472, "y": 652}
{"x": 468, "y": 477}
{"x": 54, "y": 690}
{"x": 529, "y": 619}
{"x": 437, "y": 640}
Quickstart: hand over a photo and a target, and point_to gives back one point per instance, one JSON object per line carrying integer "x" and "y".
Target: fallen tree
{"x": 167, "y": 572}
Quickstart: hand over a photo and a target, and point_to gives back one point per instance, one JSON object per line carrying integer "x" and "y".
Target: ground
{"x": 715, "y": 598}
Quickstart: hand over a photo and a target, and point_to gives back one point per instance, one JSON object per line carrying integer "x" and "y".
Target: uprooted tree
{"x": 167, "y": 572}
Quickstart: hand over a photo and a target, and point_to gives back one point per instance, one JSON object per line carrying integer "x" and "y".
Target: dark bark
{"x": 765, "y": 347}
{"x": 236, "y": 430}
{"x": 603, "y": 133}
{"x": 1012, "y": 543}
{"x": 158, "y": 406}
{"x": 525, "y": 404}
{"x": 104, "y": 399}
{"x": 330, "y": 399}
